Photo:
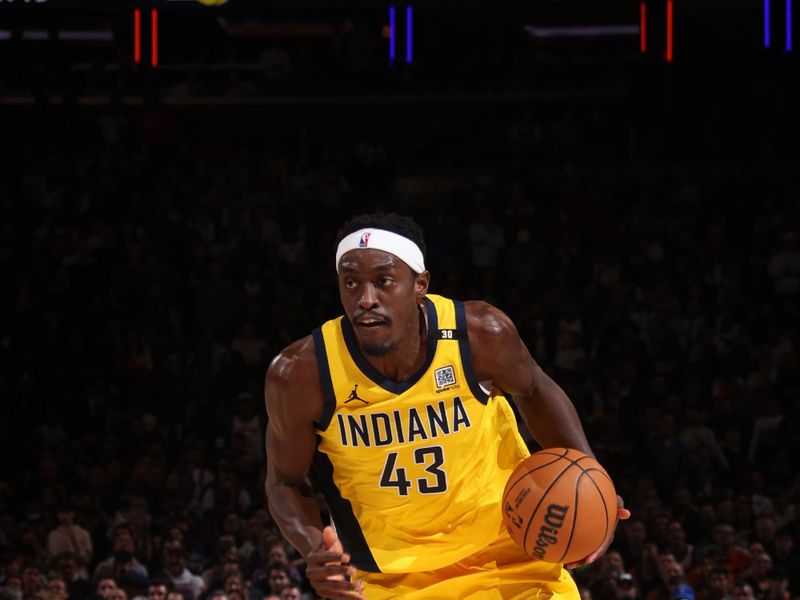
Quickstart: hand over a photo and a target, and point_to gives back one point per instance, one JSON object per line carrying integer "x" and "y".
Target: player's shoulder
{"x": 486, "y": 320}
{"x": 292, "y": 375}
{"x": 493, "y": 339}
{"x": 294, "y": 362}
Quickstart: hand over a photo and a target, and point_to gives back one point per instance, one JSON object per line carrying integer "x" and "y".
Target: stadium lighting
{"x": 643, "y": 26}
{"x": 154, "y": 37}
{"x": 137, "y": 36}
{"x": 409, "y": 36}
{"x": 391, "y": 34}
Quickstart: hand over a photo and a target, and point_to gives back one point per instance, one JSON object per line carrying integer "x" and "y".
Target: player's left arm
{"x": 500, "y": 355}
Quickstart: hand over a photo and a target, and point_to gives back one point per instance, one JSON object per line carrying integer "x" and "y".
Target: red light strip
{"x": 643, "y": 27}
{"x": 669, "y": 31}
{"x": 137, "y": 36}
{"x": 154, "y": 37}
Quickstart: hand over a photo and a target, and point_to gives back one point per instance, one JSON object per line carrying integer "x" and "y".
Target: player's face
{"x": 380, "y": 294}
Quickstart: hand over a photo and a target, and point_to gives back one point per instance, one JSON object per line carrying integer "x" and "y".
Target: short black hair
{"x": 279, "y": 566}
{"x": 167, "y": 583}
{"x": 400, "y": 224}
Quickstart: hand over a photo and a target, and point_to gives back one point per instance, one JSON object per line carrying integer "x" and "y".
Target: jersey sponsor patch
{"x": 446, "y": 376}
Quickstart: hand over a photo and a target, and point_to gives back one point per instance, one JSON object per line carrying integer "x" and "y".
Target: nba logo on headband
{"x": 380, "y": 239}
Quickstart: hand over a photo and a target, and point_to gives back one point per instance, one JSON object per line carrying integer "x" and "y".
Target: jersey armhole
{"x": 324, "y": 371}
{"x": 466, "y": 353}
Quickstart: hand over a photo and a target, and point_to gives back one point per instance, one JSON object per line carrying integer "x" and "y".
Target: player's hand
{"x": 328, "y": 569}
{"x": 622, "y": 514}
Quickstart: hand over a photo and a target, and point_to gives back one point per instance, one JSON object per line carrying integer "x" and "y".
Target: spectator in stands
{"x": 33, "y": 581}
{"x": 743, "y": 591}
{"x": 669, "y": 571}
{"x": 226, "y": 562}
{"x": 58, "y": 589}
{"x": 126, "y": 577}
{"x": 159, "y": 589}
{"x": 278, "y": 553}
{"x": 680, "y": 590}
{"x": 247, "y": 422}
{"x": 669, "y": 454}
{"x": 696, "y": 434}
{"x": 735, "y": 559}
{"x": 121, "y": 541}
{"x": 235, "y": 528}
{"x": 776, "y": 585}
{"x": 70, "y": 537}
{"x": 135, "y": 513}
{"x": 756, "y": 574}
{"x": 105, "y": 586}
{"x": 278, "y": 578}
{"x": 631, "y": 541}
{"x": 787, "y": 558}
{"x": 765, "y": 532}
{"x": 235, "y": 587}
{"x": 682, "y": 550}
{"x": 606, "y": 573}
{"x": 291, "y": 592}
{"x": 486, "y": 236}
{"x": 249, "y": 346}
{"x": 716, "y": 585}
{"x": 225, "y": 493}
{"x": 185, "y": 582}
{"x": 626, "y": 587}
{"x": 67, "y": 568}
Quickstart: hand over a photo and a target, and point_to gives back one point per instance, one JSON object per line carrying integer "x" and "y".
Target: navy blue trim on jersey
{"x": 347, "y": 526}
{"x": 328, "y": 397}
{"x": 466, "y": 354}
{"x": 396, "y": 387}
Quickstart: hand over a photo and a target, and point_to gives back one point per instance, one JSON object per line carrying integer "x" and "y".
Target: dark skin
{"x": 381, "y": 297}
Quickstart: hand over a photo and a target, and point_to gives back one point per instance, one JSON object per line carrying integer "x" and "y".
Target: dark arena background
{"x": 622, "y": 179}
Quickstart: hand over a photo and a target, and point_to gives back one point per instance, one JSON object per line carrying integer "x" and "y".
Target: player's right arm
{"x": 294, "y": 401}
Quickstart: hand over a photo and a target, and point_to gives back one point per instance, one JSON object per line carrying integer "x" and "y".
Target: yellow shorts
{"x": 501, "y": 571}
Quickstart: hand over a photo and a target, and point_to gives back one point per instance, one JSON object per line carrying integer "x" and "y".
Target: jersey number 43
{"x": 434, "y": 483}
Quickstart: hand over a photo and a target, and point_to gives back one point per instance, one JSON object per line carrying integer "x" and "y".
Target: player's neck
{"x": 409, "y": 355}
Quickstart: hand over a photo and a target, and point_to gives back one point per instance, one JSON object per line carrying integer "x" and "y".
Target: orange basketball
{"x": 560, "y": 505}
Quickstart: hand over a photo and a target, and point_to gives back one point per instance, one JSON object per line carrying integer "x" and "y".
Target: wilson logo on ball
{"x": 548, "y": 532}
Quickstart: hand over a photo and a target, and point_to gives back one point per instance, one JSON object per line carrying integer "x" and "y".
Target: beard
{"x": 378, "y": 350}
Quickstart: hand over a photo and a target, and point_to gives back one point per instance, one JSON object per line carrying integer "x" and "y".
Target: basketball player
{"x": 396, "y": 412}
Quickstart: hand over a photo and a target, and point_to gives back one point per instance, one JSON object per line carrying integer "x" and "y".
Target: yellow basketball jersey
{"x": 412, "y": 471}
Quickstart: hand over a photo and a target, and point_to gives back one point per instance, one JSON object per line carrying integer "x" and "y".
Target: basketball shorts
{"x": 501, "y": 571}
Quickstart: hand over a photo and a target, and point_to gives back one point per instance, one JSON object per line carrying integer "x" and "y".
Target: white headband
{"x": 380, "y": 239}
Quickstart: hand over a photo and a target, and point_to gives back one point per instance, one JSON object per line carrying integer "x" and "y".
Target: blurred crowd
{"x": 153, "y": 262}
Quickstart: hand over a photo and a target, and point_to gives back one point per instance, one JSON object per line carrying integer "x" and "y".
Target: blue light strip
{"x": 788, "y": 25}
{"x": 391, "y": 34}
{"x": 409, "y": 35}
{"x": 767, "y": 40}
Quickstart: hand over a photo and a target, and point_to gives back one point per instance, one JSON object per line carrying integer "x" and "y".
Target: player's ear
{"x": 421, "y": 282}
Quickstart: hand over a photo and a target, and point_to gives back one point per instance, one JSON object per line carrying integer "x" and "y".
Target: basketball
{"x": 559, "y": 505}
